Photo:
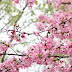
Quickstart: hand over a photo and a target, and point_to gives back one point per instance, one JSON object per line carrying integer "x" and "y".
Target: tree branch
{"x": 5, "y": 26}
{"x": 12, "y": 54}
{"x": 59, "y": 56}
{"x": 26, "y": 55}
{"x": 2, "y": 16}
{"x": 21, "y": 13}
{"x": 65, "y": 3}
{"x": 65, "y": 21}
{"x": 2, "y": 60}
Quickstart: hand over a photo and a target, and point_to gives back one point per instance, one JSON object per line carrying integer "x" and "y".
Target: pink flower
{"x": 70, "y": 52}
{"x": 71, "y": 6}
{"x": 70, "y": 61}
{"x": 22, "y": 36}
{"x": 16, "y": 1}
{"x": 41, "y": 18}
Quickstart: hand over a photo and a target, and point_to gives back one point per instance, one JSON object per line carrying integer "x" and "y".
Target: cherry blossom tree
{"x": 55, "y": 23}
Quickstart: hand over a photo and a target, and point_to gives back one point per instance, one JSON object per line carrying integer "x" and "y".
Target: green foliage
{"x": 62, "y": 6}
{"x": 7, "y": 7}
{"x": 69, "y": 39}
{"x": 50, "y": 8}
{"x": 36, "y": 2}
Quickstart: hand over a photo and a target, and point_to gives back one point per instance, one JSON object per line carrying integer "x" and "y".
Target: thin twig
{"x": 12, "y": 54}
{"x": 5, "y": 26}
{"x": 21, "y": 13}
{"x": 59, "y": 56}
{"x": 2, "y": 16}
{"x": 13, "y": 50}
{"x": 65, "y": 21}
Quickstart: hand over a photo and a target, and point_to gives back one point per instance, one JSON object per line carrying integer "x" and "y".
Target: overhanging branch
{"x": 26, "y": 55}
{"x": 65, "y": 3}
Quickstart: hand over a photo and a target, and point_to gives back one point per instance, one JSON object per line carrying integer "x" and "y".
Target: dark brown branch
{"x": 43, "y": 31}
{"x": 65, "y": 3}
{"x": 2, "y": 60}
{"x": 65, "y": 21}
{"x": 60, "y": 56}
{"x": 12, "y": 54}
{"x": 50, "y": 28}
{"x": 26, "y": 55}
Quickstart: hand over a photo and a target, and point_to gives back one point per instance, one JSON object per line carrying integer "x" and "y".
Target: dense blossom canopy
{"x": 48, "y": 51}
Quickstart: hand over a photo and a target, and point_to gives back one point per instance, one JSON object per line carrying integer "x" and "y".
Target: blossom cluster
{"x": 16, "y": 1}
{"x": 29, "y": 2}
{"x": 40, "y": 54}
{"x": 58, "y": 3}
{"x": 48, "y": 51}
{"x": 15, "y": 34}
{"x": 58, "y": 26}
{"x": 4, "y": 46}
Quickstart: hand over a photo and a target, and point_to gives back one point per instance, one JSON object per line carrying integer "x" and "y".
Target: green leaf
{"x": 36, "y": 2}
{"x": 61, "y": 6}
{"x": 69, "y": 39}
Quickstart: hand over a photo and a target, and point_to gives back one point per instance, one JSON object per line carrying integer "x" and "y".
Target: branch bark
{"x": 66, "y": 3}
{"x": 26, "y": 55}
{"x": 2, "y": 60}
